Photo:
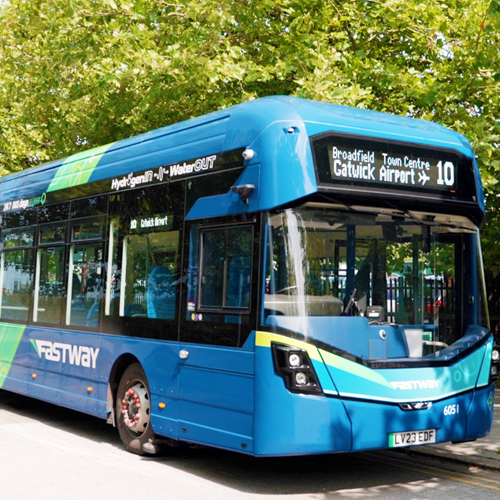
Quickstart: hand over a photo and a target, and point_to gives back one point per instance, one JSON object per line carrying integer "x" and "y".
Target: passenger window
{"x": 20, "y": 237}
{"x": 143, "y": 284}
{"x": 49, "y": 286}
{"x": 85, "y": 279}
{"x": 16, "y": 284}
{"x": 143, "y": 280}
{"x": 84, "y": 285}
{"x": 52, "y": 234}
{"x": 16, "y": 274}
{"x": 226, "y": 268}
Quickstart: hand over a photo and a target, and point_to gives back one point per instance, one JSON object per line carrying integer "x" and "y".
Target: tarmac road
{"x": 47, "y": 452}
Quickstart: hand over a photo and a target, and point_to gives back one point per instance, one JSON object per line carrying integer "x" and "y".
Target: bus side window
{"x": 143, "y": 277}
{"x": 148, "y": 286}
{"x": 226, "y": 258}
{"x": 143, "y": 261}
{"x": 49, "y": 295}
{"x": 84, "y": 295}
{"x": 49, "y": 300}
{"x": 16, "y": 284}
{"x": 219, "y": 276}
{"x": 16, "y": 274}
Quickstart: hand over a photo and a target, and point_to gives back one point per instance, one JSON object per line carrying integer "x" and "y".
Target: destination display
{"x": 149, "y": 223}
{"x": 392, "y": 169}
{"x": 394, "y": 166}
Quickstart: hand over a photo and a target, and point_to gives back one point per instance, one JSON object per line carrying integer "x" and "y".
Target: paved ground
{"x": 484, "y": 452}
{"x": 50, "y": 453}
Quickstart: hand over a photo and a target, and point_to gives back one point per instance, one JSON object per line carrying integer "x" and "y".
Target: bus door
{"x": 216, "y": 373}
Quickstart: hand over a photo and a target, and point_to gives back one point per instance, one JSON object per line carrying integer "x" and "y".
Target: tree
{"x": 81, "y": 73}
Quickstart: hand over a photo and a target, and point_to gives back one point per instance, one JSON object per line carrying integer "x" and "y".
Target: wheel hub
{"x": 135, "y": 408}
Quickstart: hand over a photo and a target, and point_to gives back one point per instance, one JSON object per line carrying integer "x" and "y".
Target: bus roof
{"x": 253, "y": 124}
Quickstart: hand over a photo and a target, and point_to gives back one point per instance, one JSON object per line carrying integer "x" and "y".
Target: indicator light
{"x": 162, "y": 405}
{"x": 90, "y": 389}
{"x": 34, "y": 376}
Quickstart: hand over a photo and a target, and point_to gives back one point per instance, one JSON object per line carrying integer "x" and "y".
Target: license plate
{"x": 412, "y": 438}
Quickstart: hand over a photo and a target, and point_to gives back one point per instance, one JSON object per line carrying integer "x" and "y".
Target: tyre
{"x": 133, "y": 409}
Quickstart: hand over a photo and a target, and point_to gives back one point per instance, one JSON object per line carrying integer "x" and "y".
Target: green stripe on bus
{"x": 353, "y": 368}
{"x": 10, "y": 337}
{"x": 264, "y": 339}
{"x": 77, "y": 169}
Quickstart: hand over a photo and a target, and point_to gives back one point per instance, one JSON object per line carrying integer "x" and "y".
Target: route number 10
{"x": 446, "y": 173}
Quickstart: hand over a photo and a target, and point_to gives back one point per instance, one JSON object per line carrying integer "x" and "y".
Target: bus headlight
{"x": 294, "y": 360}
{"x": 295, "y": 367}
{"x": 495, "y": 355}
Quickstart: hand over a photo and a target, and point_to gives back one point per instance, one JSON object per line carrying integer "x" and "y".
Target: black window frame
{"x": 224, "y": 309}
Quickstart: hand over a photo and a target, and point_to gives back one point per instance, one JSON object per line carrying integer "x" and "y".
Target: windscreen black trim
{"x": 398, "y": 403}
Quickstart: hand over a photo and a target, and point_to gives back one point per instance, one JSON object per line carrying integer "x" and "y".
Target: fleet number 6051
{"x": 451, "y": 410}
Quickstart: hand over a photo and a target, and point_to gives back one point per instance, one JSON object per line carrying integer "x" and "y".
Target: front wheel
{"x": 133, "y": 409}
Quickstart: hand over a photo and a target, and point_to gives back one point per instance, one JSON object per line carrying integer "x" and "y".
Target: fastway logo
{"x": 67, "y": 353}
{"x": 416, "y": 384}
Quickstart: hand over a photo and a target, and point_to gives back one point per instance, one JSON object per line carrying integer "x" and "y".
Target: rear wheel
{"x": 133, "y": 409}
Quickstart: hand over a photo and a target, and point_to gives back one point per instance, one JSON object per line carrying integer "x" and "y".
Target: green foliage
{"x": 396, "y": 256}
{"x": 79, "y": 74}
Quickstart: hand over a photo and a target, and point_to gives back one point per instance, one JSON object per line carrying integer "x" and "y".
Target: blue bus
{"x": 282, "y": 277}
